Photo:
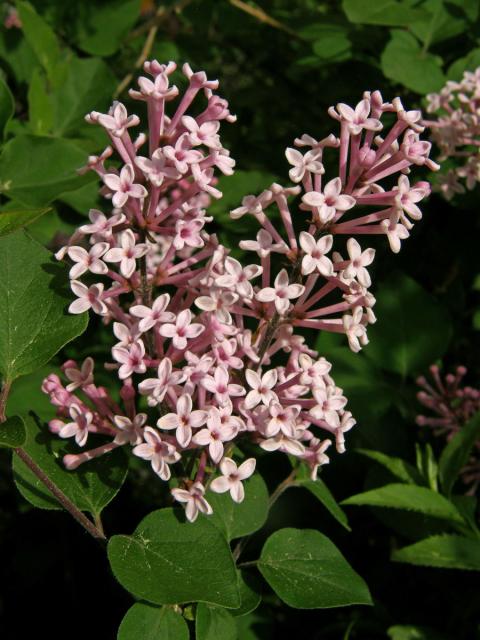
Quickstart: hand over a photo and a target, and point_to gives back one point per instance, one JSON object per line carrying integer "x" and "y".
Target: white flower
{"x": 232, "y": 477}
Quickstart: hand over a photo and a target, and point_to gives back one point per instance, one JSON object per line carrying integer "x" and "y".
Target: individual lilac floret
{"x": 207, "y": 349}
{"x": 453, "y": 405}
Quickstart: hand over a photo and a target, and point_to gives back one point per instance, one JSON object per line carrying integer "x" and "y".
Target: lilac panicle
{"x": 209, "y": 351}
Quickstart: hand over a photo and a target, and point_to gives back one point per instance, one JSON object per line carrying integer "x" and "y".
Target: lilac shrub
{"x": 452, "y": 405}
{"x": 209, "y": 350}
{"x": 456, "y": 132}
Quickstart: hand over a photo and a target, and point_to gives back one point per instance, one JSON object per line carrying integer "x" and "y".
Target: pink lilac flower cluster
{"x": 456, "y": 132}
{"x": 208, "y": 350}
{"x": 454, "y": 405}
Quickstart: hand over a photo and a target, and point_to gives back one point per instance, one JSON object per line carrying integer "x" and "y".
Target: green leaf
{"x": 457, "y": 452}
{"x": 104, "y": 25}
{"x": 33, "y": 322}
{"x": 7, "y": 105}
{"x": 320, "y": 490}
{"x": 90, "y": 487}
{"x": 403, "y": 61}
{"x": 427, "y": 464}
{"x": 329, "y": 41}
{"x": 410, "y": 498}
{"x": 236, "y": 520}
{"x": 470, "y": 7}
{"x": 83, "y": 199}
{"x": 307, "y": 571}
{"x": 40, "y": 106}
{"x": 446, "y": 551}
{"x": 11, "y": 221}
{"x": 213, "y": 623}
{"x": 35, "y": 170}
{"x": 26, "y": 394}
{"x": 145, "y": 622}
{"x": 402, "y": 340}
{"x": 40, "y": 37}
{"x": 12, "y": 432}
{"x": 440, "y": 25}
{"x": 467, "y": 63}
{"x": 413, "y": 632}
{"x": 249, "y": 598}
{"x": 170, "y": 561}
{"x": 88, "y": 86}
{"x": 397, "y": 467}
{"x": 389, "y": 13}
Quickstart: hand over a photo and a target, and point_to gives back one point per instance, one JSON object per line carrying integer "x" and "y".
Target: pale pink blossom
{"x": 88, "y": 260}
{"x": 127, "y": 254}
{"x": 304, "y": 162}
{"x": 358, "y": 119}
{"x": 80, "y": 377}
{"x": 131, "y": 431}
{"x": 194, "y": 499}
{"x": 358, "y": 261}
{"x": 232, "y": 477}
{"x": 183, "y": 420}
{"x": 87, "y": 298}
{"x": 79, "y": 427}
{"x": 261, "y": 388}
{"x": 154, "y": 315}
{"x": 330, "y": 201}
{"x": 117, "y": 121}
{"x": 315, "y": 250}
{"x": 281, "y": 293}
{"x": 123, "y": 186}
{"x": 355, "y": 329}
{"x": 156, "y": 169}
{"x": 182, "y": 330}
{"x": 215, "y": 434}
{"x": 219, "y": 385}
{"x": 156, "y": 388}
{"x": 131, "y": 359}
{"x": 160, "y": 453}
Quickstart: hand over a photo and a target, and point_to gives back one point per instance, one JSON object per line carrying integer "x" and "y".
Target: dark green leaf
{"x": 410, "y": 498}
{"x": 249, "y": 597}
{"x": 26, "y": 394}
{"x": 40, "y": 105}
{"x": 34, "y": 324}
{"x": 402, "y": 340}
{"x": 390, "y": 13}
{"x": 307, "y": 571}
{"x": 446, "y": 551}
{"x": 7, "y": 105}
{"x": 170, "y": 561}
{"x": 320, "y": 490}
{"x": 457, "y": 452}
{"x": 236, "y": 520}
{"x": 403, "y": 61}
{"x": 12, "y": 432}
{"x": 35, "y": 170}
{"x": 410, "y": 632}
{"x": 40, "y": 37}
{"x": 90, "y": 487}
{"x": 396, "y": 466}
{"x": 146, "y": 622}
{"x": 213, "y": 623}
{"x": 11, "y": 221}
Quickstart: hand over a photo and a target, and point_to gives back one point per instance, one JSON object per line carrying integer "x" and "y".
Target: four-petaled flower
{"x": 182, "y": 330}
{"x": 232, "y": 476}
{"x": 155, "y": 315}
{"x": 184, "y": 420}
{"x": 159, "y": 452}
{"x": 195, "y": 502}
{"x": 216, "y": 433}
{"x": 328, "y": 202}
{"x": 123, "y": 186}
{"x": 315, "y": 250}
{"x": 127, "y": 254}
{"x": 281, "y": 293}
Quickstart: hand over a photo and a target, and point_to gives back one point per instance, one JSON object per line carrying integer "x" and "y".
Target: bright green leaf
{"x": 457, "y": 452}
{"x": 396, "y": 466}
{"x": 411, "y": 632}
{"x": 145, "y": 622}
{"x": 7, "y": 105}
{"x": 440, "y": 25}
{"x": 410, "y": 498}
{"x": 40, "y": 37}
{"x": 35, "y": 170}
{"x": 446, "y": 551}
{"x": 170, "y": 561}
{"x": 390, "y": 13}
{"x": 90, "y": 487}
{"x": 34, "y": 324}
{"x": 402, "y": 340}
{"x": 468, "y": 63}
{"x": 12, "y": 432}
{"x": 213, "y": 623}
{"x": 10, "y": 221}
{"x": 88, "y": 86}
{"x": 403, "y": 61}
{"x": 236, "y": 520}
{"x": 307, "y": 571}
{"x": 320, "y": 490}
